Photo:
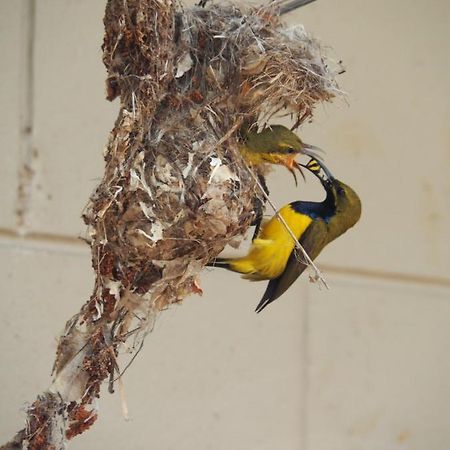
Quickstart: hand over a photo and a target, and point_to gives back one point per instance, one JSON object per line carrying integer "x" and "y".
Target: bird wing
{"x": 313, "y": 241}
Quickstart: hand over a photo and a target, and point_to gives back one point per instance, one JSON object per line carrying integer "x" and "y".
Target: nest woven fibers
{"x": 174, "y": 185}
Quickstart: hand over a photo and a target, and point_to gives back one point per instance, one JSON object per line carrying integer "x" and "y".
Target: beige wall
{"x": 362, "y": 366}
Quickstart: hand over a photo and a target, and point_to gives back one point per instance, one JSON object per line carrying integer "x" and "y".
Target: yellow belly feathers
{"x": 270, "y": 251}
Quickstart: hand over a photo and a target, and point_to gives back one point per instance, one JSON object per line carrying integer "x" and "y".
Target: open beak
{"x": 319, "y": 169}
{"x": 292, "y": 165}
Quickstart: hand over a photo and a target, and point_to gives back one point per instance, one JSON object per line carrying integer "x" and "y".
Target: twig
{"x": 123, "y": 400}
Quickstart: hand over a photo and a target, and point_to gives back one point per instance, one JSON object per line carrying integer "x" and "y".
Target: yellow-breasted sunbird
{"x": 273, "y": 255}
{"x": 275, "y": 144}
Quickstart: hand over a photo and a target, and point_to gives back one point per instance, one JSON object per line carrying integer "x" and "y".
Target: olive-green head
{"x": 275, "y": 144}
{"x": 347, "y": 202}
{"x": 276, "y": 139}
{"x": 273, "y": 139}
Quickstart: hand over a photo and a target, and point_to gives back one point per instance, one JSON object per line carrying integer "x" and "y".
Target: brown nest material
{"x": 175, "y": 191}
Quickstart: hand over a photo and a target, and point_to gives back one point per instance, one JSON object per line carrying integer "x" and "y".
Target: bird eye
{"x": 290, "y": 150}
{"x": 340, "y": 190}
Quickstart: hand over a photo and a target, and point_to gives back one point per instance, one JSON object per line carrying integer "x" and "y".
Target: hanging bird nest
{"x": 175, "y": 190}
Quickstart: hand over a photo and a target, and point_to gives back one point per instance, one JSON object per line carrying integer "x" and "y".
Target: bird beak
{"x": 312, "y": 151}
{"x": 292, "y": 165}
{"x": 327, "y": 172}
{"x": 319, "y": 169}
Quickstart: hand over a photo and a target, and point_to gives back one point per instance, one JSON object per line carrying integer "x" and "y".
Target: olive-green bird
{"x": 273, "y": 255}
{"x": 275, "y": 144}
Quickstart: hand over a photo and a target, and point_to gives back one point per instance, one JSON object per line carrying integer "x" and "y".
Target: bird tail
{"x": 268, "y": 296}
{"x": 223, "y": 263}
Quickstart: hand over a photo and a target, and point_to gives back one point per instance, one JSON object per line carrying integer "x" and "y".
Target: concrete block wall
{"x": 362, "y": 366}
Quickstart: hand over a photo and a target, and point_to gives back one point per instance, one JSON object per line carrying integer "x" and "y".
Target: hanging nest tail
{"x": 175, "y": 189}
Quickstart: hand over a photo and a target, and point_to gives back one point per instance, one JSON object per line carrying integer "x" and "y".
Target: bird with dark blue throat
{"x": 273, "y": 254}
